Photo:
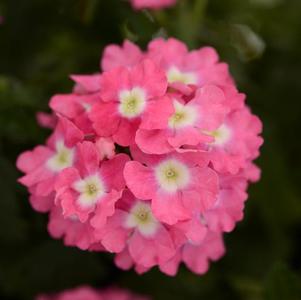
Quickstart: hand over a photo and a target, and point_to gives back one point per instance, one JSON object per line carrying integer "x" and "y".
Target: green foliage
{"x": 42, "y": 42}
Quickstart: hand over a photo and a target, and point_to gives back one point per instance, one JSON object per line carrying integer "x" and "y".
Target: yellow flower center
{"x": 132, "y": 102}
{"x": 141, "y": 217}
{"x": 172, "y": 175}
{"x": 183, "y": 116}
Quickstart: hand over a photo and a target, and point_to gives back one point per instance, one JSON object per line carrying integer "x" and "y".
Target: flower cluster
{"x": 150, "y": 159}
{"x": 152, "y": 4}
{"x": 88, "y": 293}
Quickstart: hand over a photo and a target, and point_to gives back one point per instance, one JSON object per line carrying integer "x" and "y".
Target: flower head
{"x": 150, "y": 159}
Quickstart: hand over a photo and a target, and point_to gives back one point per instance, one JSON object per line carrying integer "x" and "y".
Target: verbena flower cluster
{"x": 150, "y": 159}
{"x": 88, "y": 293}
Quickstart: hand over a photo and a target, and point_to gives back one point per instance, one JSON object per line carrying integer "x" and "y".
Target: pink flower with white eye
{"x": 170, "y": 123}
{"x": 74, "y": 232}
{"x": 177, "y": 184}
{"x": 197, "y": 257}
{"x": 128, "y": 55}
{"x": 126, "y": 94}
{"x": 227, "y": 210}
{"x": 134, "y": 226}
{"x": 152, "y": 4}
{"x": 42, "y": 165}
{"x": 237, "y": 140}
{"x": 91, "y": 186}
{"x": 198, "y": 67}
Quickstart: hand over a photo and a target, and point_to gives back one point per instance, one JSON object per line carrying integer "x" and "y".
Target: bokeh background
{"x": 43, "y": 41}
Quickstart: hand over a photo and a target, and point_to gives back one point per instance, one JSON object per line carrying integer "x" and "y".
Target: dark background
{"x": 43, "y": 41}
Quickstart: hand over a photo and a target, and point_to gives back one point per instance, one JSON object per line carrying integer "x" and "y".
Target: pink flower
{"x": 126, "y": 95}
{"x": 228, "y": 208}
{"x": 134, "y": 226}
{"x": 198, "y": 67}
{"x": 171, "y": 123}
{"x": 71, "y": 229}
{"x": 197, "y": 257}
{"x": 88, "y": 293}
{"x": 237, "y": 140}
{"x": 153, "y": 4}
{"x": 177, "y": 184}
{"x": 90, "y": 186}
{"x": 42, "y": 165}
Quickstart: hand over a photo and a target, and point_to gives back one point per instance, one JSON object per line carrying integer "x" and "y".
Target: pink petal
{"x": 112, "y": 171}
{"x": 105, "y": 118}
{"x": 67, "y": 105}
{"x": 87, "y": 158}
{"x": 125, "y": 134}
{"x": 105, "y": 208}
{"x": 153, "y": 141}
{"x": 90, "y": 83}
{"x": 148, "y": 76}
{"x": 168, "y": 208}
{"x": 157, "y": 114}
{"x": 126, "y": 56}
{"x": 140, "y": 180}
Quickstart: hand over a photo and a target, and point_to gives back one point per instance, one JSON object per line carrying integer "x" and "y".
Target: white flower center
{"x": 87, "y": 107}
{"x": 221, "y": 135}
{"x": 90, "y": 190}
{"x": 132, "y": 102}
{"x": 63, "y": 158}
{"x": 172, "y": 175}
{"x": 141, "y": 217}
{"x": 183, "y": 116}
{"x": 175, "y": 75}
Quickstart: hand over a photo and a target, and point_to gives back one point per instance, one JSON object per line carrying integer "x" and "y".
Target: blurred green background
{"x": 43, "y": 41}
